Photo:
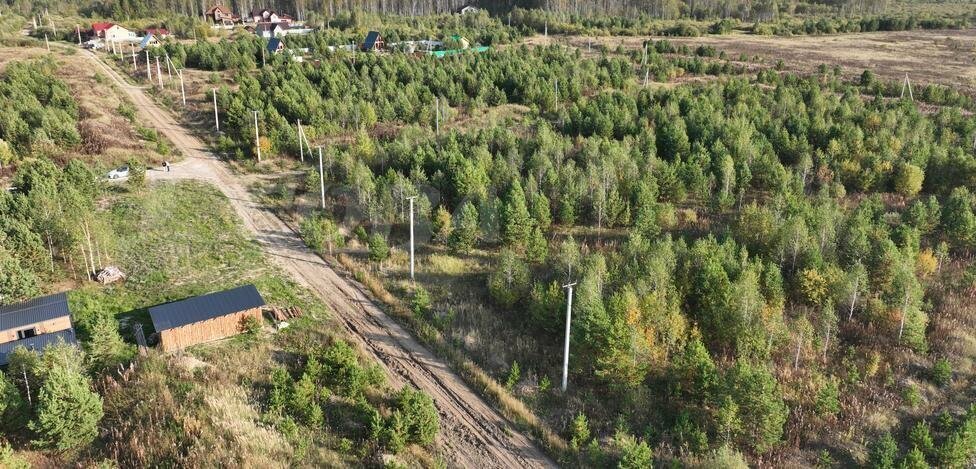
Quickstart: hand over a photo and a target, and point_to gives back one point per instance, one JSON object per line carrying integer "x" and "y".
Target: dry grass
{"x": 510, "y": 406}
{"x": 944, "y": 57}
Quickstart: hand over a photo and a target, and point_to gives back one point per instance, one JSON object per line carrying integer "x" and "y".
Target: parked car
{"x": 118, "y": 173}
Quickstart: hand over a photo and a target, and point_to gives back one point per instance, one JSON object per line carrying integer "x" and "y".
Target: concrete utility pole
{"x": 159, "y": 73}
{"x": 301, "y": 145}
{"x": 46, "y": 43}
{"x": 257, "y": 137}
{"x": 148, "y": 68}
{"x": 179, "y": 72}
{"x": 411, "y": 235}
{"x": 133, "y": 49}
{"x": 907, "y": 84}
{"x": 216, "y": 117}
{"x": 437, "y": 115}
{"x": 321, "y": 179}
{"x": 78, "y": 31}
{"x": 569, "y": 317}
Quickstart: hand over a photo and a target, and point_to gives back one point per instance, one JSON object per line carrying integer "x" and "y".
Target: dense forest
{"x": 749, "y": 10}
{"x": 756, "y": 257}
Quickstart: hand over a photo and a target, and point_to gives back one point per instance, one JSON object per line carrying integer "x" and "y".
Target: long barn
{"x": 205, "y": 318}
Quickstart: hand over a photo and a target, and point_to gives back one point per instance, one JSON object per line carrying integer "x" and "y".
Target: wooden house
{"x": 205, "y": 318}
{"x": 221, "y": 15}
{"x": 35, "y": 324}
{"x": 373, "y": 42}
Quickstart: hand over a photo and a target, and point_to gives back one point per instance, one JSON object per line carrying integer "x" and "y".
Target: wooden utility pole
{"x": 257, "y": 137}
{"x": 569, "y": 318}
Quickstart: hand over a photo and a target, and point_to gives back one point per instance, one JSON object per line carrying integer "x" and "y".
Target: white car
{"x": 118, "y": 173}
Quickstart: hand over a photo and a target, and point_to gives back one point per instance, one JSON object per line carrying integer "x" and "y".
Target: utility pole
{"x": 907, "y": 84}
{"x": 301, "y": 145}
{"x": 321, "y": 179}
{"x": 133, "y": 49}
{"x": 159, "y": 73}
{"x": 569, "y": 317}
{"x": 78, "y": 31}
{"x": 437, "y": 115}
{"x": 216, "y": 117}
{"x": 148, "y": 68}
{"x": 257, "y": 137}
{"x": 46, "y": 43}
{"x": 411, "y": 236}
{"x": 179, "y": 72}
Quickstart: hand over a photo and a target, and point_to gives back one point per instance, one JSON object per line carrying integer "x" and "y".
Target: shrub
{"x": 942, "y": 372}
{"x": 419, "y": 415}
{"x": 883, "y": 452}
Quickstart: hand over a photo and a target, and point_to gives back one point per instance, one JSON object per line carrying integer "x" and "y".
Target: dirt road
{"x": 472, "y": 433}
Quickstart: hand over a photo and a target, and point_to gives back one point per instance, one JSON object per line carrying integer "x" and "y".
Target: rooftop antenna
{"x": 569, "y": 317}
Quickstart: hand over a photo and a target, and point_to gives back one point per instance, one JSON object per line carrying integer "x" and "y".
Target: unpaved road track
{"x": 472, "y": 433}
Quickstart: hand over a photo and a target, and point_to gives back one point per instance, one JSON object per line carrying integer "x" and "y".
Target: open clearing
{"x": 944, "y": 56}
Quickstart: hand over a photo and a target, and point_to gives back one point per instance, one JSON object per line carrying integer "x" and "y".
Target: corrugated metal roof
{"x": 38, "y": 343}
{"x": 202, "y": 308}
{"x": 33, "y": 311}
{"x": 274, "y": 44}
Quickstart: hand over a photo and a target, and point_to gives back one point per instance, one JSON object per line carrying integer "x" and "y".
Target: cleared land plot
{"x": 944, "y": 57}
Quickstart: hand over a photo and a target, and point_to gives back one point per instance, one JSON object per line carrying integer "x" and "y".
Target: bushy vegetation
{"x": 734, "y": 242}
{"x": 38, "y": 115}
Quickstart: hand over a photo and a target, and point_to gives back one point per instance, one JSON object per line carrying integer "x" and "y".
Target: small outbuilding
{"x": 467, "y": 9}
{"x": 276, "y": 45}
{"x": 205, "y": 318}
{"x": 35, "y": 324}
{"x": 373, "y": 42}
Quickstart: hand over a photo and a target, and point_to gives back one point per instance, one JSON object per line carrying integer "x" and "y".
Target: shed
{"x": 205, "y": 318}
{"x": 37, "y": 343}
{"x": 31, "y": 322}
{"x": 374, "y": 41}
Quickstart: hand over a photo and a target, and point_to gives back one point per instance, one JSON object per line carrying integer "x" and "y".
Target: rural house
{"x": 205, "y": 318}
{"x": 111, "y": 32}
{"x": 373, "y": 42}
{"x": 159, "y": 33}
{"x": 35, "y": 324}
{"x": 148, "y": 40}
{"x": 263, "y": 15}
{"x": 467, "y": 9}
{"x": 276, "y": 45}
{"x": 269, "y": 30}
{"x": 221, "y": 15}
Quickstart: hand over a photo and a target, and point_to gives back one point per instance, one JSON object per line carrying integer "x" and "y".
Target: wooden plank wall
{"x": 62, "y": 323}
{"x": 205, "y": 331}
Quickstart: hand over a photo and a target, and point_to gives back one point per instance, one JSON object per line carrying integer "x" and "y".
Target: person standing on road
{"x": 166, "y": 165}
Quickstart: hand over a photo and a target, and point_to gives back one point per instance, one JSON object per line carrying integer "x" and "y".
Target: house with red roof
{"x": 160, "y": 33}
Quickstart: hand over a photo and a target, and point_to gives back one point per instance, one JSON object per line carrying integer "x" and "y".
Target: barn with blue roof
{"x": 206, "y": 318}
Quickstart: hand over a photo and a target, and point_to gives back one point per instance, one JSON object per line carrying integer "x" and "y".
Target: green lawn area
{"x": 174, "y": 241}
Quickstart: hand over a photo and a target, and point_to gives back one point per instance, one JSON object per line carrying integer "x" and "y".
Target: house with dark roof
{"x": 206, "y": 318}
{"x": 160, "y": 33}
{"x": 268, "y": 30}
{"x": 35, "y": 324}
{"x": 373, "y": 42}
{"x": 276, "y": 45}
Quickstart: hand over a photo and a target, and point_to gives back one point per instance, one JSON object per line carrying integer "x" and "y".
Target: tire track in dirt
{"x": 472, "y": 433}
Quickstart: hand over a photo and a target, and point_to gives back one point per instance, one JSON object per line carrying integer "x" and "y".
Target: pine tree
{"x": 465, "y": 232}
{"x": 68, "y": 411}
{"x": 13, "y": 407}
{"x": 516, "y": 223}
